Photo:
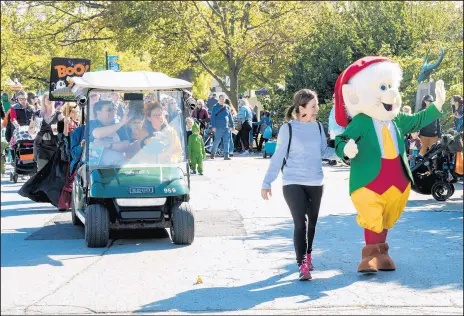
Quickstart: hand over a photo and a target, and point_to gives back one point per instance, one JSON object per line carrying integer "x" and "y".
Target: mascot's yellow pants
{"x": 381, "y": 202}
{"x": 377, "y": 212}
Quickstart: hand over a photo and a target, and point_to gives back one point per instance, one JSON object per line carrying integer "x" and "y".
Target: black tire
{"x": 265, "y": 154}
{"x": 11, "y": 176}
{"x": 452, "y": 189}
{"x": 183, "y": 224}
{"x": 74, "y": 219}
{"x": 441, "y": 191}
{"x": 15, "y": 178}
{"x": 97, "y": 226}
{"x": 347, "y": 162}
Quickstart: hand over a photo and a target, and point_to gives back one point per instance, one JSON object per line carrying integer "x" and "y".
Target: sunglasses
{"x": 21, "y": 99}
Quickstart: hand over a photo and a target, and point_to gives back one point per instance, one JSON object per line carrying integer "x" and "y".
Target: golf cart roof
{"x": 127, "y": 81}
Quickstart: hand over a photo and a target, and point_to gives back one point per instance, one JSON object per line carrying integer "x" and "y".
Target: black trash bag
{"x": 46, "y": 185}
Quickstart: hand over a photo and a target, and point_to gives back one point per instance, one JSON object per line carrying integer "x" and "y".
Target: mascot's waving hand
{"x": 368, "y": 103}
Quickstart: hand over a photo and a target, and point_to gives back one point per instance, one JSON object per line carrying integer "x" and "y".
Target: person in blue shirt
{"x": 300, "y": 161}
{"x": 245, "y": 115}
{"x": 263, "y": 124}
{"x": 77, "y": 146}
{"x": 104, "y": 132}
{"x": 222, "y": 124}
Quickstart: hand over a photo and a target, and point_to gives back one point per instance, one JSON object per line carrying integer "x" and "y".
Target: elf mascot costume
{"x": 367, "y": 103}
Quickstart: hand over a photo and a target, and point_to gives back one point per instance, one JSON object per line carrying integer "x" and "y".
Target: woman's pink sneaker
{"x": 309, "y": 263}
{"x": 304, "y": 272}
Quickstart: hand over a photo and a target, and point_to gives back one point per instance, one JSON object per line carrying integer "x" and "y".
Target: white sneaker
{"x": 245, "y": 153}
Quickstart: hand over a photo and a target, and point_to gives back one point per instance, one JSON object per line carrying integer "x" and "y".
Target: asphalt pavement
{"x": 243, "y": 253}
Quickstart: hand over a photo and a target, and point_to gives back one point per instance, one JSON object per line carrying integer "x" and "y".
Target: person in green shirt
{"x": 196, "y": 150}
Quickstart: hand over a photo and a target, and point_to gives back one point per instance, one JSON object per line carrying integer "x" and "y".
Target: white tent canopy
{"x": 127, "y": 81}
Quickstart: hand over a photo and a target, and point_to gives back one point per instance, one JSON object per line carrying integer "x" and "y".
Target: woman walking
{"x": 301, "y": 146}
{"x": 45, "y": 125}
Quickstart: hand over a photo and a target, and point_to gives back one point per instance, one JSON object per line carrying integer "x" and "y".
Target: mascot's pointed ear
{"x": 349, "y": 94}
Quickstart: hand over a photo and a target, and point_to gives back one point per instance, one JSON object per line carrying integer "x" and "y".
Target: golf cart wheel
{"x": 441, "y": 191}
{"x": 11, "y": 176}
{"x": 183, "y": 224}
{"x": 97, "y": 226}
{"x": 74, "y": 219}
{"x": 265, "y": 154}
{"x": 15, "y": 178}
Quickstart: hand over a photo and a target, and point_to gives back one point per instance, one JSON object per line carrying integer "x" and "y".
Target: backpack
{"x": 290, "y": 141}
{"x": 267, "y": 133}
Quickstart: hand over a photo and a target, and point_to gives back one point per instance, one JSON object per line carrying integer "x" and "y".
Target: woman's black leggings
{"x": 304, "y": 203}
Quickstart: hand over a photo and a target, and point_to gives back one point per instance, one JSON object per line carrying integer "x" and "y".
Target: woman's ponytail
{"x": 289, "y": 115}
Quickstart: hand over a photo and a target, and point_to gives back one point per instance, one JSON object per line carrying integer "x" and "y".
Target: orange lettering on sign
{"x": 61, "y": 70}
{"x": 78, "y": 70}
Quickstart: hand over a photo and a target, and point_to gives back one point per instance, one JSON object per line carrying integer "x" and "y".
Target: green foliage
{"x": 202, "y": 85}
{"x": 346, "y": 31}
{"x": 235, "y": 39}
{"x": 254, "y": 43}
{"x": 277, "y": 103}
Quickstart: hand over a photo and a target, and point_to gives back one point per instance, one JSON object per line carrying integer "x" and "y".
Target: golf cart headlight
{"x": 141, "y": 202}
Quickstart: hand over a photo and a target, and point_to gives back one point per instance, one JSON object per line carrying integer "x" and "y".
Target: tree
{"x": 225, "y": 38}
{"x": 202, "y": 85}
{"x": 403, "y": 31}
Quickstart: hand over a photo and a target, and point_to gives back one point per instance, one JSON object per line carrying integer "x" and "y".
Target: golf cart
{"x": 133, "y": 174}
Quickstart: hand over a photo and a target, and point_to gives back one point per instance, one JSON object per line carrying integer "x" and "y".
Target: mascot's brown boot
{"x": 385, "y": 263}
{"x": 369, "y": 262}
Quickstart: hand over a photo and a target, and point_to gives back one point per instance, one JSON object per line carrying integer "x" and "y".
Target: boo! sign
{"x": 60, "y": 88}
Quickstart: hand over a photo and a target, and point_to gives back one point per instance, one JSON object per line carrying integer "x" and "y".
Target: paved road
{"x": 243, "y": 252}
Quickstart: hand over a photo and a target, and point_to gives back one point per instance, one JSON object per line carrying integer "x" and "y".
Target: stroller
{"x": 23, "y": 155}
{"x": 435, "y": 172}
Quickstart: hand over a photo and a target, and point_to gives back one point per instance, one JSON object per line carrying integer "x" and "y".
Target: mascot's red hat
{"x": 341, "y": 116}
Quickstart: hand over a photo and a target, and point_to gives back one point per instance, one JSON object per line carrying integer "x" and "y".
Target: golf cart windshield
{"x": 127, "y": 129}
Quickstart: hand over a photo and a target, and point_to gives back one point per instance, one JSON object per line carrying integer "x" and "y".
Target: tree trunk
{"x": 234, "y": 89}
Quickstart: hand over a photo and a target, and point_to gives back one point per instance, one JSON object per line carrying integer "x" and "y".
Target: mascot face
{"x": 374, "y": 91}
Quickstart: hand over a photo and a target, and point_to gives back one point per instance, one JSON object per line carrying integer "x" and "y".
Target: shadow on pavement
{"x": 426, "y": 246}
{"x": 39, "y": 247}
{"x": 29, "y": 211}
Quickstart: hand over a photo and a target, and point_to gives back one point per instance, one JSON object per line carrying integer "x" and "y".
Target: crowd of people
{"x": 141, "y": 127}
{"x": 220, "y": 125}
{"x": 234, "y": 132}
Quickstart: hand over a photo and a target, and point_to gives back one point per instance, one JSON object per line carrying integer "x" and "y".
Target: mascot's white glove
{"x": 351, "y": 149}
{"x": 440, "y": 94}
